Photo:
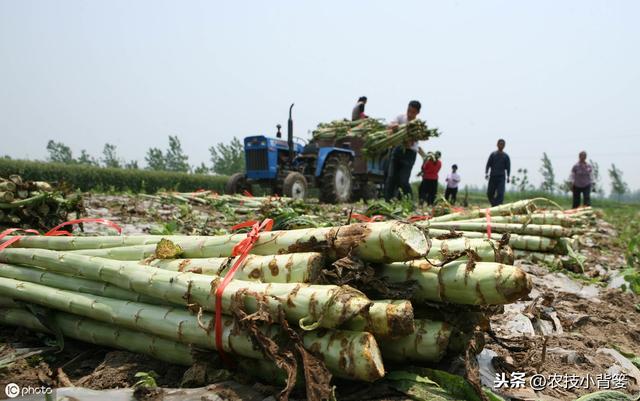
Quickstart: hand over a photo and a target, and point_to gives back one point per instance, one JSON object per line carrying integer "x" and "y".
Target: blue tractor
{"x": 338, "y": 168}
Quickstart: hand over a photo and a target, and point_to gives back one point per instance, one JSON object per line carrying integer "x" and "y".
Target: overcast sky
{"x": 548, "y": 76}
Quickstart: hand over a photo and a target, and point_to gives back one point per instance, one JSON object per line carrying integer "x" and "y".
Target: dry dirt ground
{"x": 568, "y": 328}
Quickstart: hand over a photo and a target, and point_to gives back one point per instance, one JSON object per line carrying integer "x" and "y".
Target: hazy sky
{"x": 548, "y": 76}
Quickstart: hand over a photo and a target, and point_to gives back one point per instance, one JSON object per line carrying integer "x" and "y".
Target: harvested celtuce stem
{"x": 557, "y": 218}
{"x": 6, "y": 196}
{"x": 459, "y": 282}
{"x": 79, "y": 243}
{"x": 524, "y": 206}
{"x": 529, "y": 229}
{"x": 379, "y": 325}
{"x": 373, "y": 242}
{"x": 23, "y": 202}
{"x": 309, "y": 306}
{"x": 99, "y": 333}
{"x": 522, "y": 242}
{"x": 485, "y": 250}
{"x": 286, "y": 268}
{"x": 7, "y": 186}
{"x": 542, "y": 257}
{"x": 62, "y": 282}
{"x": 348, "y": 354}
{"x": 427, "y": 344}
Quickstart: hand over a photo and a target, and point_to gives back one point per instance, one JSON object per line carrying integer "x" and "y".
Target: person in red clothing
{"x": 429, "y": 173}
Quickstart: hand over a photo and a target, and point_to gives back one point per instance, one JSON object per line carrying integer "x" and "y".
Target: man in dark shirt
{"x": 498, "y": 163}
{"x": 402, "y": 157}
{"x": 358, "y": 111}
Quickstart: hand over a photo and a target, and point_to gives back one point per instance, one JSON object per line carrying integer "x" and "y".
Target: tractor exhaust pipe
{"x": 290, "y": 135}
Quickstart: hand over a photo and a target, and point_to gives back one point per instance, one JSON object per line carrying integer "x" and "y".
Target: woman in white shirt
{"x": 453, "y": 179}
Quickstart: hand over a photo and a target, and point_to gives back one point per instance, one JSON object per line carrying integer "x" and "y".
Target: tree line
{"x": 225, "y": 159}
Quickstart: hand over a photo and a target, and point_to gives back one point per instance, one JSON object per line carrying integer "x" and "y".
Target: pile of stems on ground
{"x": 550, "y": 236}
{"x": 348, "y": 302}
{"x": 34, "y": 204}
{"x": 287, "y": 213}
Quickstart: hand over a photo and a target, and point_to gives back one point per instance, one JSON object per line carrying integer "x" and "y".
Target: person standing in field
{"x": 358, "y": 111}
{"x": 402, "y": 157}
{"x": 429, "y": 185}
{"x": 499, "y": 164}
{"x": 581, "y": 180}
{"x": 452, "y": 180}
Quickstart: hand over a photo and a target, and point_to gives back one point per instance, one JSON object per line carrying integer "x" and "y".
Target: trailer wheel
{"x": 336, "y": 182}
{"x": 237, "y": 184}
{"x": 295, "y": 186}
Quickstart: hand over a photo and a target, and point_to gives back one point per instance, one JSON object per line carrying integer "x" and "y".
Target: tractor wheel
{"x": 336, "y": 183}
{"x": 237, "y": 184}
{"x": 295, "y": 186}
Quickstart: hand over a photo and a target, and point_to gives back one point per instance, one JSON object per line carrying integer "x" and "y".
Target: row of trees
{"x": 226, "y": 159}
{"x": 549, "y": 184}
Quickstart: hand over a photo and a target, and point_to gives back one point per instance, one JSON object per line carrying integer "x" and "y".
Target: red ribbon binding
{"x": 56, "y": 232}
{"x": 367, "y": 219}
{"x": 241, "y": 249}
{"x": 16, "y": 238}
{"x": 418, "y": 218}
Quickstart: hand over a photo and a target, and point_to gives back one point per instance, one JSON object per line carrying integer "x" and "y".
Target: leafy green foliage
{"x": 147, "y": 379}
{"x": 618, "y": 186}
{"x": 425, "y": 384}
{"x": 201, "y": 169}
{"x": 521, "y": 180}
{"x": 86, "y": 159}
{"x": 133, "y": 165}
{"x": 155, "y": 159}
{"x": 109, "y": 156}
{"x": 86, "y": 178}
{"x": 59, "y": 152}
{"x": 228, "y": 159}
{"x": 548, "y": 175}
{"x": 175, "y": 159}
{"x": 595, "y": 175}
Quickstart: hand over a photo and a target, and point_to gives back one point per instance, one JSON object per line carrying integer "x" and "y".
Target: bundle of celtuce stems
{"x": 381, "y": 141}
{"x": 378, "y": 137}
{"x": 537, "y": 234}
{"x": 155, "y": 295}
{"x": 342, "y": 128}
{"x": 33, "y": 204}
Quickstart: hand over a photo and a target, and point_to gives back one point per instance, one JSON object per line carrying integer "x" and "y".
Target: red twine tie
{"x": 367, "y": 219}
{"x": 488, "y": 212}
{"x": 56, "y": 232}
{"x": 242, "y": 249}
{"x": 16, "y": 238}
{"x": 418, "y": 218}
